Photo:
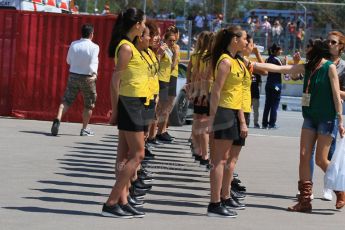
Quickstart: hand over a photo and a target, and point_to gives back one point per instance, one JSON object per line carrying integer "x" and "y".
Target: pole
{"x": 144, "y": 7}
{"x": 303, "y": 2}
{"x": 304, "y": 24}
{"x": 85, "y": 5}
{"x": 185, "y": 8}
{"x": 224, "y": 10}
{"x": 96, "y": 5}
{"x": 189, "y": 38}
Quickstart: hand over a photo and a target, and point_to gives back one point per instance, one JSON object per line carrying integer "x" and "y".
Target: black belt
{"x": 83, "y": 75}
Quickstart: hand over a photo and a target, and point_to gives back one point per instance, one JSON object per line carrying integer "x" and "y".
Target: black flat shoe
{"x": 136, "y": 193}
{"x": 136, "y": 213}
{"x": 135, "y": 202}
{"x": 218, "y": 210}
{"x": 115, "y": 211}
{"x": 141, "y": 185}
{"x": 232, "y": 204}
{"x": 237, "y": 194}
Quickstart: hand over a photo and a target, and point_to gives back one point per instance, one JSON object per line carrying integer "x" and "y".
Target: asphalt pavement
{"x": 61, "y": 182}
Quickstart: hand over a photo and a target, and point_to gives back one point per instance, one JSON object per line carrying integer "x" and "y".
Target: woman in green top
{"x": 321, "y": 86}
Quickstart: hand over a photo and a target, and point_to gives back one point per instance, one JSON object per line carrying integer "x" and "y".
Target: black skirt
{"x": 225, "y": 124}
{"x": 132, "y": 114}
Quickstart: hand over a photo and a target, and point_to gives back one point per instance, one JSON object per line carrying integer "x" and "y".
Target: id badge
{"x": 306, "y": 99}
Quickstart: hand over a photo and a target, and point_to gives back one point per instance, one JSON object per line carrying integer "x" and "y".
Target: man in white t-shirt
{"x": 83, "y": 60}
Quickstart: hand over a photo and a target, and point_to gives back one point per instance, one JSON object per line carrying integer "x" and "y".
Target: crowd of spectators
{"x": 286, "y": 32}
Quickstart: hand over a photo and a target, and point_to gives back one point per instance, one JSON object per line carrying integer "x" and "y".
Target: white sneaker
{"x": 327, "y": 194}
{"x": 87, "y": 132}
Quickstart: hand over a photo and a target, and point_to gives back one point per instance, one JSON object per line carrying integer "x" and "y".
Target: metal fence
{"x": 289, "y": 41}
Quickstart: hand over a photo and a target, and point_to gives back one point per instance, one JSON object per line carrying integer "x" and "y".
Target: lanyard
{"x": 311, "y": 75}
{"x": 153, "y": 62}
{"x": 141, "y": 55}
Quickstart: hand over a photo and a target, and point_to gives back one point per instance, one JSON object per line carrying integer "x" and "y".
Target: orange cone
{"x": 51, "y": 3}
{"x": 64, "y": 5}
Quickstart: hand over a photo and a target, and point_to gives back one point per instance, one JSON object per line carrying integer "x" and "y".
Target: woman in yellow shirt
{"x": 226, "y": 101}
{"x": 155, "y": 49}
{"x": 200, "y": 96}
{"x": 150, "y": 57}
{"x": 243, "y": 113}
{"x": 191, "y": 71}
{"x": 165, "y": 71}
{"x": 128, "y": 95}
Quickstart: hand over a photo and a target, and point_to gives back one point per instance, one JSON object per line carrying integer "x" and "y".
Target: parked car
{"x": 182, "y": 110}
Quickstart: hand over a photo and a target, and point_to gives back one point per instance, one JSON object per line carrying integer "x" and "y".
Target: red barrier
{"x": 8, "y": 24}
{"x": 33, "y": 68}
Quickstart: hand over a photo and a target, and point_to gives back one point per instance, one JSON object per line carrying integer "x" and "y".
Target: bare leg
{"x": 229, "y": 170}
{"x": 162, "y": 127}
{"x": 168, "y": 108}
{"x": 219, "y": 158}
{"x": 152, "y": 129}
{"x": 322, "y": 150}
{"x": 86, "y": 117}
{"x": 196, "y": 135}
{"x": 121, "y": 160}
{"x": 162, "y": 116}
{"x": 307, "y": 142}
{"x": 62, "y": 110}
{"x": 204, "y": 137}
{"x": 136, "y": 155}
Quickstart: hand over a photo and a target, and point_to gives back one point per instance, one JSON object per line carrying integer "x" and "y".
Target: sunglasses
{"x": 332, "y": 42}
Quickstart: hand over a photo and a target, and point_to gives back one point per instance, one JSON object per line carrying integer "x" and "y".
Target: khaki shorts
{"x": 81, "y": 83}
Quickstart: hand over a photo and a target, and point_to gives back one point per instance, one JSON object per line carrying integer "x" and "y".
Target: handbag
{"x": 335, "y": 175}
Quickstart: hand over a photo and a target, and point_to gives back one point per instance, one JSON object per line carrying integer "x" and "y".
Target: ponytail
{"x": 124, "y": 23}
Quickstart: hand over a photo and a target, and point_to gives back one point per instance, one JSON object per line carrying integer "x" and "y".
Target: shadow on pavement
{"x": 47, "y": 133}
{"x": 64, "y": 200}
{"x": 269, "y": 195}
{"x": 55, "y": 211}
{"x": 66, "y": 183}
{"x": 171, "y": 212}
{"x": 96, "y": 161}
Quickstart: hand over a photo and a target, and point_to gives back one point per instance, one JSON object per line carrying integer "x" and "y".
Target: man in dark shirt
{"x": 255, "y": 92}
{"x": 273, "y": 90}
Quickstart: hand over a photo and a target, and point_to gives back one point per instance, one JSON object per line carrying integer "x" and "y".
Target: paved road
{"x": 60, "y": 182}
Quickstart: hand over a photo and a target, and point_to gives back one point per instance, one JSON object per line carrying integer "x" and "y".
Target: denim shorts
{"x": 322, "y": 128}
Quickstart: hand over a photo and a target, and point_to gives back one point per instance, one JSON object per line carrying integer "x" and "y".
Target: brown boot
{"x": 340, "y": 200}
{"x": 304, "y": 202}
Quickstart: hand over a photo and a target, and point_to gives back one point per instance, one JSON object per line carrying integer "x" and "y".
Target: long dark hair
{"x": 319, "y": 50}
{"x": 207, "y": 56}
{"x": 124, "y": 22}
{"x": 223, "y": 39}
